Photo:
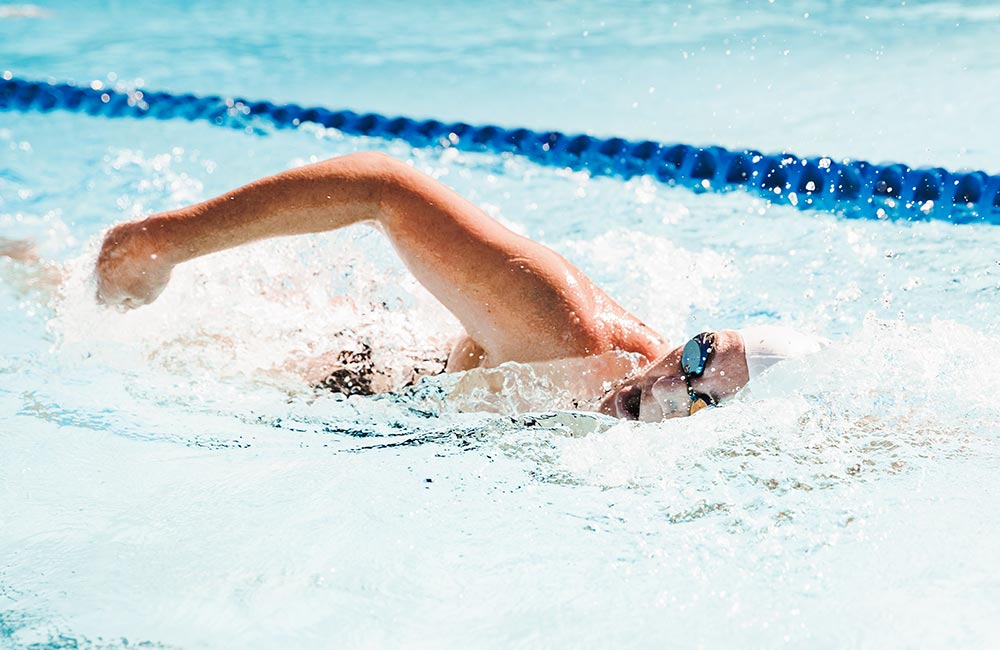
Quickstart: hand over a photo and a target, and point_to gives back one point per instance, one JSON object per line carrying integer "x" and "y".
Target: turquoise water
{"x": 169, "y": 477}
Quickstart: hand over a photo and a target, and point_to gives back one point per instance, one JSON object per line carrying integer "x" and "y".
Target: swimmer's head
{"x": 706, "y": 370}
{"x": 679, "y": 384}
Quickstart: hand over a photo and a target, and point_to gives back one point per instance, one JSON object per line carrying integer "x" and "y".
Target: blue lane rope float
{"x": 854, "y": 188}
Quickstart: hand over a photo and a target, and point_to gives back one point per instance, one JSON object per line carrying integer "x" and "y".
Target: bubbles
{"x": 283, "y": 315}
{"x": 280, "y": 309}
{"x": 187, "y": 436}
{"x": 138, "y": 175}
{"x": 653, "y": 277}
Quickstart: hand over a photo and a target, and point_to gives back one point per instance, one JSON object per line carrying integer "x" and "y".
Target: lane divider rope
{"x": 853, "y": 188}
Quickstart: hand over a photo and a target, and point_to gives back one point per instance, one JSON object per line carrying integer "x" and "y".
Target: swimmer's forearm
{"x": 316, "y": 198}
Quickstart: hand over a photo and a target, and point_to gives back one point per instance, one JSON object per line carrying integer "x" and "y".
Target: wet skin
{"x": 660, "y": 392}
{"x": 517, "y": 299}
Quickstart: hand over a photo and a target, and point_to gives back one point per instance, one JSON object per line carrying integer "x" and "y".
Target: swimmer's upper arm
{"x": 517, "y": 299}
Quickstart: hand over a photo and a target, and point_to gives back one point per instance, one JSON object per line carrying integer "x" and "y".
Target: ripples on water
{"x": 170, "y": 475}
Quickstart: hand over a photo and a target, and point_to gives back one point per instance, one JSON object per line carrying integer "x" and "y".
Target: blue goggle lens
{"x": 695, "y": 354}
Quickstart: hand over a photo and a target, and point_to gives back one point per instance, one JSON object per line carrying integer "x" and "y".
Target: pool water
{"x": 169, "y": 476}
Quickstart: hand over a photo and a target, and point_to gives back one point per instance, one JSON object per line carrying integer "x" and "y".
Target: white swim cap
{"x": 766, "y": 345}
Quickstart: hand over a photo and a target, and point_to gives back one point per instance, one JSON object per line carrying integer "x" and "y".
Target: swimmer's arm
{"x": 517, "y": 299}
{"x": 27, "y": 271}
{"x": 136, "y": 258}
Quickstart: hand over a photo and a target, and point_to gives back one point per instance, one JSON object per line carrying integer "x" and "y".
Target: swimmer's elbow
{"x": 374, "y": 172}
{"x": 375, "y": 158}
{"x": 374, "y": 166}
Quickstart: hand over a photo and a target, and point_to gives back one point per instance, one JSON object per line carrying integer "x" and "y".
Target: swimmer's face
{"x": 660, "y": 392}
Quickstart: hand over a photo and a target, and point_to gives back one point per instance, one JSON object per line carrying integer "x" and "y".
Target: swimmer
{"x": 516, "y": 299}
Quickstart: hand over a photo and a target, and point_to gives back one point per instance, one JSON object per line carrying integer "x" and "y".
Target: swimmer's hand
{"x": 130, "y": 271}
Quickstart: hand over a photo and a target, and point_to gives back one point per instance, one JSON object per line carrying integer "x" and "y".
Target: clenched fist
{"x": 130, "y": 271}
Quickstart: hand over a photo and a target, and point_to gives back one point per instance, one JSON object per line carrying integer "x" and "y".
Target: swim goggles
{"x": 694, "y": 358}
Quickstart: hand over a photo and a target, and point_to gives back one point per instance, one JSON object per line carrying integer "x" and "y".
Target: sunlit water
{"x": 170, "y": 477}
